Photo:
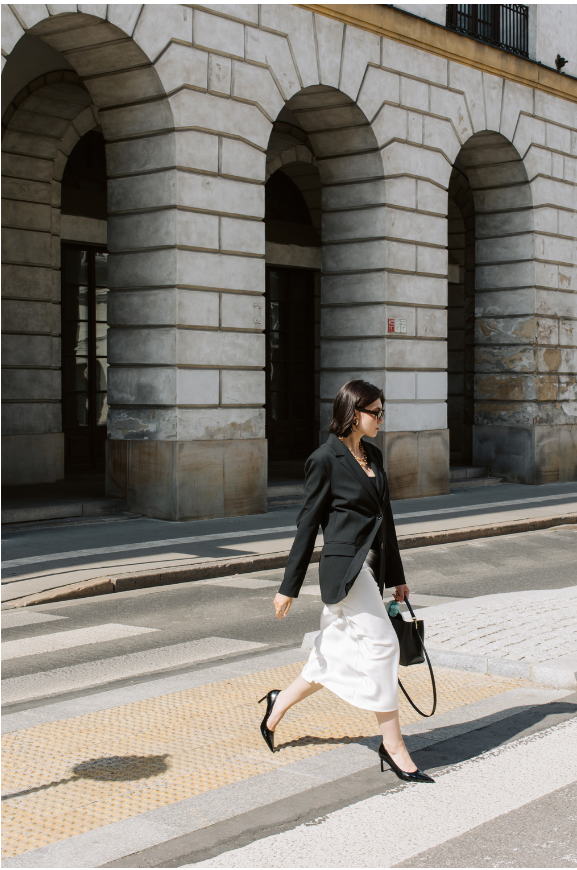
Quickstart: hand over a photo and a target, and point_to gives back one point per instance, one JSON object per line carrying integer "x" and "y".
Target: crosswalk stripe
{"x": 59, "y": 680}
{"x": 44, "y": 643}
{"x": 489, "y": 785}
{"x": 225, "y": 536}
{"x": 16, "y": 618}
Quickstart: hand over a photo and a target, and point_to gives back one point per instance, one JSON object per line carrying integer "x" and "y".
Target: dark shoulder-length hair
{"x": 352, "y": 397}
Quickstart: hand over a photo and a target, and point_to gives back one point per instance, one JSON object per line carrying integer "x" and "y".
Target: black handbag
{"x": 411, "y": 637}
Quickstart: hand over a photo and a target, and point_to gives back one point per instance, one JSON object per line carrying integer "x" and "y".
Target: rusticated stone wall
{"x": 187, "y": 98}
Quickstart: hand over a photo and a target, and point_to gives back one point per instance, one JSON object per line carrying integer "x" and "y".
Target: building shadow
{"x": 454, "y": 745}
{"x": 111, "y": 768}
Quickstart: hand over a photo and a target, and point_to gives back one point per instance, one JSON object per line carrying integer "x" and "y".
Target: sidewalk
{"x": 48, "y": 562}
{"x": 523, "y": 635}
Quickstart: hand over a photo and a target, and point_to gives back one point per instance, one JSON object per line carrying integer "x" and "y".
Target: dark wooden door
{"x": 84, "y": 356}
{"x": 290, "y": 372}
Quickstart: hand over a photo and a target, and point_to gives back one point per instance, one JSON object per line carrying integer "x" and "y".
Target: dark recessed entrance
{"x": 84, "y": 356}
{"x": 290, "y": 363}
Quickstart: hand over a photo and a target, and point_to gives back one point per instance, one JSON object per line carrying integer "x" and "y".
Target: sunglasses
{"x": 378, "y": 415}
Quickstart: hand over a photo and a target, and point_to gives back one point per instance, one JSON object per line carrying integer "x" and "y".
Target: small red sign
{"x": 391, "y": 324}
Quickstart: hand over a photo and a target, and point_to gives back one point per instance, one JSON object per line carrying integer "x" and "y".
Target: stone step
{"x": 61, "y": 509}
{"x": 285, "y": 494}
{"x": 471, "y": 482}
{"x": 466, "y": 472}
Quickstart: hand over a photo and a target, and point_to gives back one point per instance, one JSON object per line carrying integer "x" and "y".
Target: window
{"x": 84, "y": 356}
{"x": 502, "y": 25}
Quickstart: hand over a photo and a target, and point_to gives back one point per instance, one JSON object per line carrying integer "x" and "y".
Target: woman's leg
{"x": 297, "y": 691}
{"x": 393, "y": 740}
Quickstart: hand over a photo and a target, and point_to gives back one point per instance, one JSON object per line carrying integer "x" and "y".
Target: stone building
{"x": 214, "y": 216}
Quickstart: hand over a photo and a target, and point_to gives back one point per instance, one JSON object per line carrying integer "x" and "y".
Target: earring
{"x": 355, "y": 421}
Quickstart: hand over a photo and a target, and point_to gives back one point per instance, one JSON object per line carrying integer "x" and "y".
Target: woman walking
{"x": 356, "y": 654}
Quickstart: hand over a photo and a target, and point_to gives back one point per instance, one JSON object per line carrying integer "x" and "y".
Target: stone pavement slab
{"x": 113, "y": 556}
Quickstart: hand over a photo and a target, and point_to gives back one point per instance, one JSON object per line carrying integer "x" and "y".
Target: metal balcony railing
{"x": 505, "y": 26}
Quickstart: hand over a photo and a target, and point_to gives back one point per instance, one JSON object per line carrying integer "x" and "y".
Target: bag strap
{"x": 405, "y": 693}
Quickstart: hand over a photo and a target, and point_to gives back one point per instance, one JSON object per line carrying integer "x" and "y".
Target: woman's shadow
{"x": 111, "y": 768}
{"x": 308, "y": 740}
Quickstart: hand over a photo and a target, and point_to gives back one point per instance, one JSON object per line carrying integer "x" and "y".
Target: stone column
{"x": 186, "y": 310}
{"x": 414, "y": 284}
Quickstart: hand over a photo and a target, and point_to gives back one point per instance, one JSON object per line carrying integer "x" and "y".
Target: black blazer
{"x": 355, "y": 513}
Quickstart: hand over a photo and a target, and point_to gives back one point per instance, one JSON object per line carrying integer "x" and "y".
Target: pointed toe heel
{"x": 268, "y": 735}
{"x": 414, "y": 776}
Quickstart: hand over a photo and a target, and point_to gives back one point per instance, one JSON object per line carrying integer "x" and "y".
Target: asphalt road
{"x": 42, "y": 556}
{"x": 533, "y": 560}
{"x": 526, "y": 817}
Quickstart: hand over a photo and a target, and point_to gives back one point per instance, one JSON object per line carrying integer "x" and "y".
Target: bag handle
{"x": 405, "y": 693}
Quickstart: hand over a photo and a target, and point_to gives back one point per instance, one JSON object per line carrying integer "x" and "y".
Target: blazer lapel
{"x": 349, "y": 462}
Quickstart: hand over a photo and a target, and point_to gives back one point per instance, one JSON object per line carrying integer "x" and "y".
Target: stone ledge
{"x": 89, "y": 507}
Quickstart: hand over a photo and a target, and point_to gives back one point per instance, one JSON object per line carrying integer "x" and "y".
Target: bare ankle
{"x": 395, "y": 748}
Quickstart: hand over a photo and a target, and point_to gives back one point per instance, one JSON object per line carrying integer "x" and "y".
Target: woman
{"x": 356, "y": 654}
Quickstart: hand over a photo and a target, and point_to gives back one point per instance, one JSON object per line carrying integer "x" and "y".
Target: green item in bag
{"x": 392, "y": 608}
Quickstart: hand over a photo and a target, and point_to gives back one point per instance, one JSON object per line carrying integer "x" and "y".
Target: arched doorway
{"x": 292, "y": 296}
{"x": 84, "y": 302}
{"x": 493, "y": 330}
{"x": 55, "y": 182}
{"x": 324, "y": 198}
{"x": 290, "y": 324}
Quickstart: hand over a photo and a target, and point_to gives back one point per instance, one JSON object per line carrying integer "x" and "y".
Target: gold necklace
{"x": 362, "y": 459}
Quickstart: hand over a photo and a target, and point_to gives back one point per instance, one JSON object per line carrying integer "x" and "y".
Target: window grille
{"x": 502, "y": 25}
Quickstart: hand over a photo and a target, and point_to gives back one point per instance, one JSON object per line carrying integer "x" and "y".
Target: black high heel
{"x": 415, "y": 776}
{"x": 267, "y": 734}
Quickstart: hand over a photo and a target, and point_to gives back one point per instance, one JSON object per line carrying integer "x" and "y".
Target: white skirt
{"x": 356, "y": 654}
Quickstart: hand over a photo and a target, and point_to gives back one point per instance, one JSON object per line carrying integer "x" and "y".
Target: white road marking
{"x": 97, "y": 673}
{"x": 225, "y": 536}
{"x": 393, "y": 827}
{"x": 15, "y": 618}
{"x": 30, "y": 646}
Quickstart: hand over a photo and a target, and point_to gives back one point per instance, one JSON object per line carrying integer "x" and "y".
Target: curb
{"x": 248, "y": 564}
{"x": 558, "y": 673}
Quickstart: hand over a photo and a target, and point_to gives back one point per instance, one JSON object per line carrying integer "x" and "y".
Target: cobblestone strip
{"x": 531, "y": 627}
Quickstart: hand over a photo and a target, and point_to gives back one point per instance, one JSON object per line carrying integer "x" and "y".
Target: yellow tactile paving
{"x": 68, "y": 777}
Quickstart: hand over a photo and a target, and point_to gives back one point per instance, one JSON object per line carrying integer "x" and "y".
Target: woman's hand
{"x": 401, "y": 592}
{"x": 282, "y": 605}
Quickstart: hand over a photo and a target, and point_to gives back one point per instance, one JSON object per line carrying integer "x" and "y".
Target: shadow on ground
{"x": 112, "y": 768}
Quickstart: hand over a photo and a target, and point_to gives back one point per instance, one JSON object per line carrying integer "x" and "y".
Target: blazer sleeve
{"x": 394, "y": 571}
{"x": 316, "y": 500}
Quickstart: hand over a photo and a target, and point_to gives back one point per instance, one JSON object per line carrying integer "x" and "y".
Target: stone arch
{"x": 344, "y": 148}
{"x": 40, "y": 128}
{"x": 490, "y": 192}
{"x": 116, "y": 86}
{"x": 290, "y": 151}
